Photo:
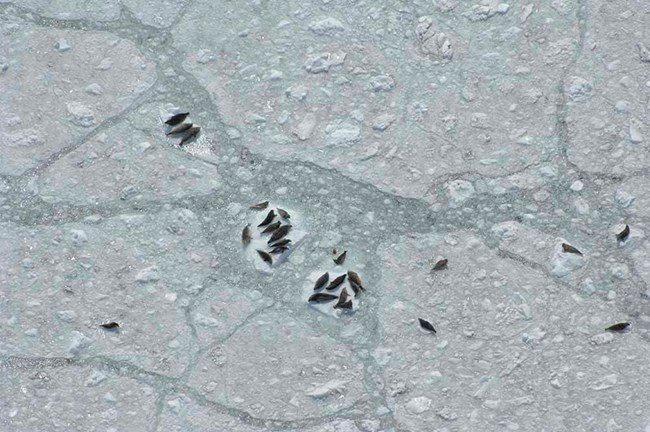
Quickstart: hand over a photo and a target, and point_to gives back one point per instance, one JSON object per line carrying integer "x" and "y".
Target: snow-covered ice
{"x": 487, "y": 133}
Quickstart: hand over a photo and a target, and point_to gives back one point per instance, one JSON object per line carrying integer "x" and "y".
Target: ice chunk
{"x": 305, "y": 128}
{"x": 382, "y": 83}
{"x": 67, "y": 316}
{"x": 459, "y": 191}
{"x": 94, "y": 89}
{"x": 78, "y": 237}
{"x": 95, "y": 378}
{"x": 205, "y": 321}
{"x": 343, "y": 135}
{"x": 81, "y": 115}
{"x": 148, "y": 274}
{"x": 62, "y": 45}
{"x": 579, "y": 89}
{"x": 79, "y": 343}
{"x": 329, "y": 388}
{"x": 605, "y": 382}
{"x": 418, "y": 405}
{"x": 326, "y": 26}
